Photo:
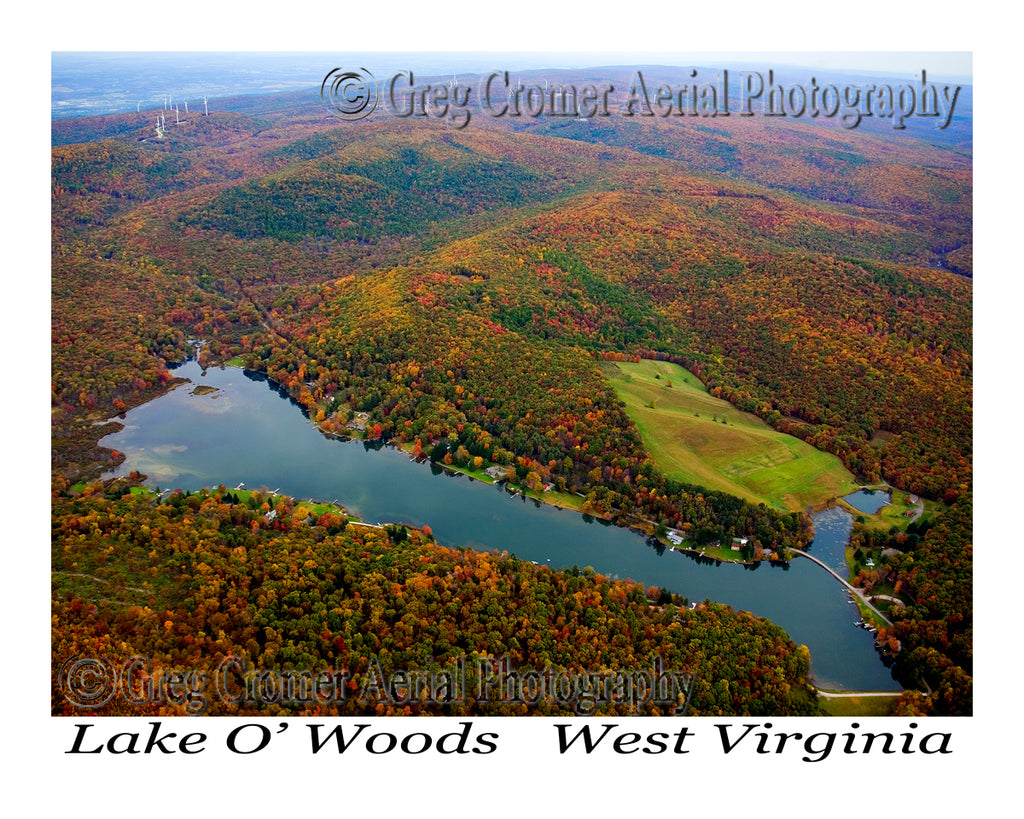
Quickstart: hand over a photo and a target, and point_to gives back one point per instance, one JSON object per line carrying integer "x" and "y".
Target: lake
{"x": 831, "y": 534}
{"x": 247, "y": 430}
{"x": 868, "y": 501}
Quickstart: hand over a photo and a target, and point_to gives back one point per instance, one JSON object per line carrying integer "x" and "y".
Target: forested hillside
{"x": 199, "y": 579}
{"x": 460, "y": 288}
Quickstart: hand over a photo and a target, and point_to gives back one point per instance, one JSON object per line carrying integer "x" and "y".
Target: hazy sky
{"x": 870, "y": 35}
{"x": 949, "y": 64}
{"x": 941, "y": 66}
{"x": 952, "y": 64}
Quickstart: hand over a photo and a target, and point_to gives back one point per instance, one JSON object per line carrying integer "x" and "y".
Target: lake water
{"x": 248, "y": 431}
{"x": 868, "y": 501}
{"x": 831, "y": 534}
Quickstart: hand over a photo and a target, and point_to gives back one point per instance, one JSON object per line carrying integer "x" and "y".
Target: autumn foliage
{"x": 454, "y": 292}
{"x": 196, "y": 579}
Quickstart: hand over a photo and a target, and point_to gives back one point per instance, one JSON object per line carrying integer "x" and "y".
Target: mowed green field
{"x": 682, "y": 427}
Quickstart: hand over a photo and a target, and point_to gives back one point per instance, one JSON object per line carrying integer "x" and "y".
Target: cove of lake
{"x": 249, "y": 431}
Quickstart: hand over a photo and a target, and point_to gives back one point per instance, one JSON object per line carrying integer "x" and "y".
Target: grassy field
{"x": 892, "y": 514}
{"x": 697, "y": 438}
{"x": 858, "y": 706}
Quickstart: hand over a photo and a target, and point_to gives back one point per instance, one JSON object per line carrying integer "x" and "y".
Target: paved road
{"x": 918, "y": 510}
{"x": 829, "y": 695}
{"x": 894, "y": 600}
{"x": 853, "y": 589}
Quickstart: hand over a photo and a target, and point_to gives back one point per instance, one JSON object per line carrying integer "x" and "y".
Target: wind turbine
{"x": 206, "y": 108}
{"x": 177, "y": 121}
{"x": 186, "y": 106}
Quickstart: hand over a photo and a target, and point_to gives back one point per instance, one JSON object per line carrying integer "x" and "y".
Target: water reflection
{"x": 868, "y": 501}
{"x": 266, "y": 440}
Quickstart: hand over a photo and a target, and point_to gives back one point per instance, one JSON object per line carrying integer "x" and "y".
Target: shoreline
{"x": 617, "y": 518}
{"x": 700, "y": 560}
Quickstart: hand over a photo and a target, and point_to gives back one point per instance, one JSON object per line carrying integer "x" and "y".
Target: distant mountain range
{"x": 99, "y": 83}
